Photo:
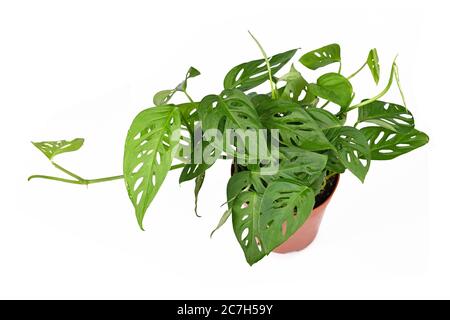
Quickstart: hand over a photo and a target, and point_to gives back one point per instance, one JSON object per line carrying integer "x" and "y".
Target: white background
{"x": 85, "y": 68}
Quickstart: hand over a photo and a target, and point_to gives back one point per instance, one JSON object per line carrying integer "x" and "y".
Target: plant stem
{"x": 357, "y": 71}
{"x": 188, "y": 96}
{"x": 73, "y": 175}
{"x": 272, "y": 87}
{"x": 340, "y": 67}
{"x": 382, "y": 93}
{"x": 89, "y": 181}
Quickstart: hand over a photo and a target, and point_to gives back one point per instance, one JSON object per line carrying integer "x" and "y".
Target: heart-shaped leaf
{"x": 353, "y": 151}
{"x": 333, "y": 87}
{"x": 285, "y": 206}
{"x": 373, "y": 63}
{"x": 387, "y": 115}
{"x": 296, "y": 126}
{"x": 246, "y": 215}
{"x": 386, "y": 144}
{"x": 253, "y": 73}
{"x": 321, "y": 57}
{"x": 150, "y": 146}
{"x": 52, "y": 148}
{"x": 295, "y": 84}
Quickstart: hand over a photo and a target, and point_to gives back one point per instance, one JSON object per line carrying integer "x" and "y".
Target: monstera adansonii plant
{"x": 314, "y": 142}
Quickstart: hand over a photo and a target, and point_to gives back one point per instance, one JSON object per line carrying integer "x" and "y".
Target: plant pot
{"x": 308, "y": 231}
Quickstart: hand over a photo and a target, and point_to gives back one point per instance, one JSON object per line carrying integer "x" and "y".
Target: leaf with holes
{"x": 52, "y": 148}
{"x": 373, "y": 63}
{"x": 322, "y": 57}
{"x": 295, "y": 84}
{"x": 386, "y": 144}
{"x": 387, "y": 115}
{"x": 353, "y": 151}
{"x": 253, "y": 73}
{"x": 246, "y": 215}
{"x": 301, "y": 165}
{"x": 333, "y": 87}
{"x": 232, "y": 107}
{"x": 296, "y": 126}
{"x": 244, "y": 181}
{"x": 285, "y": 206}
{"x": 150, "y": 146}
{"x": 163, "y": 97}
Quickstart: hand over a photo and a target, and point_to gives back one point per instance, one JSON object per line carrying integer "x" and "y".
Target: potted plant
{"x": 288, "y": 147}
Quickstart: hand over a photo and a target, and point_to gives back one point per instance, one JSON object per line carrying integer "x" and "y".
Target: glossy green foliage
{"x": 248, "y": 75}
{"x": 374, "y": 66}
{"x": 333, "y": 87}
{"x": 386, "y": 144}
{"x": 52, "y": 148}
{"x": 149, "y": 149}
{"x": 322, "y": 57}
{"x": 387, "y": 115}
{"x": 269, "y": 196}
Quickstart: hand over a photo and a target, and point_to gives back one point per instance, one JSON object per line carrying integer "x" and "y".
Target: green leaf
{"x": 232, "y": 107}
{"x": 198, "y": 186}
{"x": 321, "y": 57}
{"x": 253, "y": 73}
{"x": 333, "y": 87}
{"x": 295, "y": 84}
{"x": 333, "y": 162}
{"x": 244, "y": 181}
{"x": 285, "y": 206}
{"x": 296, "y": 126}
{"x": 192, "y": 73}
{"x": 325, "y": 119}
{"x": 150, "y": 146}
{"x": 246, "y": 215}
{"x": 386, "y": 144}
{"x": 301, "y": 165}
{"x": 387, "y": 115}
{"x": 222, "y": 221}
{"x": 373, "y": 63}
{"x": 163, "y": 97}
{"x": 52, "y": 148}
{"x": 353, "y": 151}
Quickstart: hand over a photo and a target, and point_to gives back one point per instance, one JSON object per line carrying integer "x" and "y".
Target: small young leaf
{"x": 373, "y": 63}
{"x": 163, "y": 97}
{"x": 285, "y": 206}
{"x": 295, "y": 84}
{"x": 198, "y": 186}
{"x": 353, "y": 151}
{"x": 333, "y": 87}
{"x": 222, "y": 221}
{"x": 387, "y": 115}
{"x": 321, "y": 57}
{"x": 52, "y": 148}
{"x": 386, "y": 144}
{"x": 150, "y": 146}
{"x": 253, "y": 73}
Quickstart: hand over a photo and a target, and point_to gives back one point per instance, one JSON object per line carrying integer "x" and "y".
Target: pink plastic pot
{"x": 308, "y": 231}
